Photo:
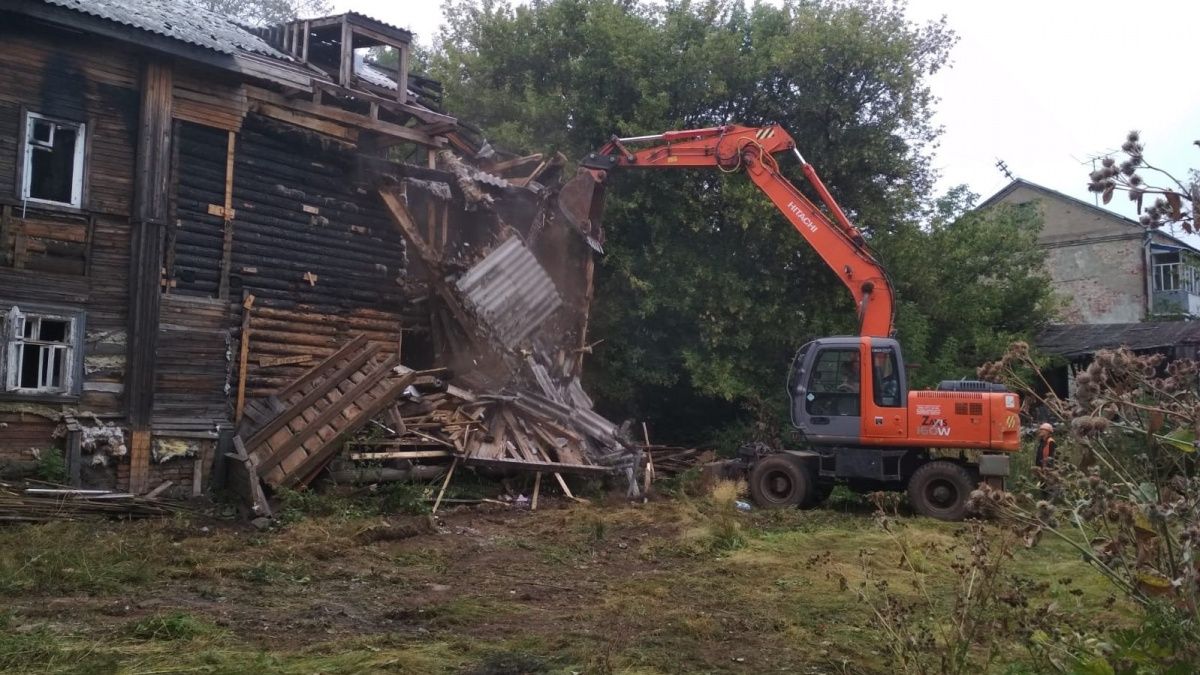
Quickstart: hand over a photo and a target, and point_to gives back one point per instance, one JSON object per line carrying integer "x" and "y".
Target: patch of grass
{"x": 407, "y": 498}
{"x": 176, "y": 626}
{"x": 267, "y": 572}
{"x": 296, "y": 505}
{"x": 670, "y": 586}
{"x": 27, "y": 650}
{"x": 684, "y": 484}
{"x": 509, "y": 663}
{"x": 842, "y": 498}
{"x": 68, "y": 557}
{"x": 51, "y": 466}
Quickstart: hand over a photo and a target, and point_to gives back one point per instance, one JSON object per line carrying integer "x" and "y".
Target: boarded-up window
{"x": 53, "y": 161}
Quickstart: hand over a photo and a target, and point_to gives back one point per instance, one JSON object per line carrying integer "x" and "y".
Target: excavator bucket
{"x": 581, "y": 202}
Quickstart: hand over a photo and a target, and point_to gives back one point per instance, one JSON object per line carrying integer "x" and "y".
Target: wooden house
{"x": 168, "y": 180}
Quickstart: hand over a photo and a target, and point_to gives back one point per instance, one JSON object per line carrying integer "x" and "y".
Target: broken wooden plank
{"x": 445, "y": 483}
{"x": 243, "y": 357}
{"x": 413, "y": 454}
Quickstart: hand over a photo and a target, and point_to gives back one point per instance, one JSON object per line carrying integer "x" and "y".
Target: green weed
{"x": 177, "y": 626}
{"x": 407, "y": 498}
{"x": 51, "y": 467}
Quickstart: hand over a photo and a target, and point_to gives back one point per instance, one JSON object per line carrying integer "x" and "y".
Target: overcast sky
{"x": 1044, "y": 85}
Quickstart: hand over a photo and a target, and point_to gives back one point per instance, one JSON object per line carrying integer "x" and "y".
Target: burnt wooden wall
{"x": 314, "y": 247}
{"x": 195, "y": 258}
{"x": 77, "y": 260}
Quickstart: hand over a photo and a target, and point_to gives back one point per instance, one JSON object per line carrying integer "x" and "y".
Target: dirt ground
{"x": 667, "y": 587}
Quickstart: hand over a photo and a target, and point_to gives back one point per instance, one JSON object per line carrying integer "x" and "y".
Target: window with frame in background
{"x": 52, "y": 171}
{"x": 40, "y": 352}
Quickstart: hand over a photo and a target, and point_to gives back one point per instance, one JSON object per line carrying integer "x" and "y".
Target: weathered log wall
{"x": 70, "y": 259}
{"x": 313, "y": 246}
{"x": 194, "y": 359}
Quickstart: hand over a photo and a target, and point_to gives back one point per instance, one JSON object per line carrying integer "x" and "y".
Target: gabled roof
{"x": 1055, "y": 194}
{"x": 181, "y": 20}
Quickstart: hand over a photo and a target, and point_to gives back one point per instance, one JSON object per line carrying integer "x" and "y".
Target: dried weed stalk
{"x": 1130, "y": 506}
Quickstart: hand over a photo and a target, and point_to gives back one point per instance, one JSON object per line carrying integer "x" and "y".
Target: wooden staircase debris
{"x": 322, "y": 409}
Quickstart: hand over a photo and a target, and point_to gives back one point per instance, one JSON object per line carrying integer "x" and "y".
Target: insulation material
{"x": 102, "y": 440}
{"x": 166, "y": 449}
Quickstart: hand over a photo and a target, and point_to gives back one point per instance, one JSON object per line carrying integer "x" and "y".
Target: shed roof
{"x": 1073, "y": 340}
{"x": 182, "y": 20}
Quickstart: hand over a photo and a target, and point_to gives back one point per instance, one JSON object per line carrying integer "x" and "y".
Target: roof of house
{"x": 182, "y": 20}
{"x": 1021, "y": 182}
{"x": 1072, "y": 340}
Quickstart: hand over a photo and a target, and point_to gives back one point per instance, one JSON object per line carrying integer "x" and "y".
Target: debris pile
{"x": 510, "y": 429}
{"x": 40, "y": 505}
{"x": 508, "y": 305}
{"x": 669, "y": 460}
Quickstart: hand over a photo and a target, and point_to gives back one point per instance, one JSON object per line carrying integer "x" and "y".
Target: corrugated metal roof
{"x": 372, "y": 73}
{"x": 510, "y": 292}
{"x": 180, "y": 20}
{"x": 1082, "y": 339}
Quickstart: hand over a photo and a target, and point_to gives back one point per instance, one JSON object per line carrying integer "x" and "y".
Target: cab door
{"x": 830, "y": 398}
{"x": 884, "y": 391}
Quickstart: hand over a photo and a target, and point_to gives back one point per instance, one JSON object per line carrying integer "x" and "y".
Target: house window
{"x": 1175, "y": 272}
{"x": 53, "y": 163}
{"x": 41, "y": 351}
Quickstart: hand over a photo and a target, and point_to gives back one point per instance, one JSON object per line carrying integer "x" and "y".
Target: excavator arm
{"x": 752, "y": 149}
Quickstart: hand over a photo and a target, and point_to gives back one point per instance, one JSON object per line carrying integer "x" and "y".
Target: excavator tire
{"x": 780, "y": 481}
{"x": 941, "y": 490}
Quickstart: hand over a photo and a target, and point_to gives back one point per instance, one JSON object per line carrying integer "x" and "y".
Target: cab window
{"x": 886, "y": 378}
{"x": 833, "y": 386}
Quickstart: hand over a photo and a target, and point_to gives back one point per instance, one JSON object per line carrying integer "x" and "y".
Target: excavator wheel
{"x": 779, "y": 481}
{"x": 941, "y": 490}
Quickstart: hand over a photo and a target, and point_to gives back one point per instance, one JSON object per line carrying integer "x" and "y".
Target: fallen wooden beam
{"x": 415, "y": 454}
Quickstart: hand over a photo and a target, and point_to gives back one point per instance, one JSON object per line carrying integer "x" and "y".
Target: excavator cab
{"x": 835, "y": 382}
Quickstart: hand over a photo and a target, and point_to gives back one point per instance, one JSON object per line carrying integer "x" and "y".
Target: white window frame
{"x": 31, "y": 146}
{"x": 14, "y": 344}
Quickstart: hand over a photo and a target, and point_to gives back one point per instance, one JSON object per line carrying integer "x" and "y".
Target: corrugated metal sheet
{"x": 181, "y": 20}
{"x": 510, "y": 292}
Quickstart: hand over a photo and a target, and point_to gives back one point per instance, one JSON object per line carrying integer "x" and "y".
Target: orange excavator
{"x": 860, "y": 423}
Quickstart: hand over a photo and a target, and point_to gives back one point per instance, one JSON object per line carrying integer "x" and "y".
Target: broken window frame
{"x": 14, "y": 343}
{"x": 32, "y": 145}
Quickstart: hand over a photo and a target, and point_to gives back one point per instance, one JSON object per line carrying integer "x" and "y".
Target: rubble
{"x": 508, "y": 312}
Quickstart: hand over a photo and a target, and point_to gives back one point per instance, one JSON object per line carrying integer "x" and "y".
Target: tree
{"x": 1175, "y": 203}
{"x": 987, "y": 288}
{"x": 705, "y": 292}
{"x": 267, "y": 12}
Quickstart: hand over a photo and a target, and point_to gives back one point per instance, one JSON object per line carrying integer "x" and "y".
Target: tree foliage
{"x": 268, "y": 12}
{"x": 705, "y": 292}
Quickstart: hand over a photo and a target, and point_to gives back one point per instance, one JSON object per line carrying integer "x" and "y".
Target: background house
{"x": 1108, "y": 268}
{"x": 1121, "y": 284}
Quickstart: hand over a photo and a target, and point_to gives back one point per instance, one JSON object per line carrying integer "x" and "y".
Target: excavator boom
{"x": 752, "y": 149}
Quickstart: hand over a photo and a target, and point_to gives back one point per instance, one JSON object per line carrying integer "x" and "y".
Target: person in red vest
{"x": 1046, "y": 446}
